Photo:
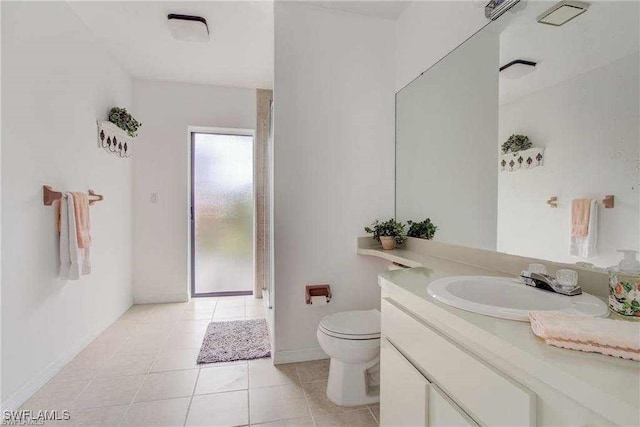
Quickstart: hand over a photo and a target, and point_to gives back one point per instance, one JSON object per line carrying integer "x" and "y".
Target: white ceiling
{"x": 239, "y": 53}
{"x": 380, "y": 9}
{"x": 606, "y": 32}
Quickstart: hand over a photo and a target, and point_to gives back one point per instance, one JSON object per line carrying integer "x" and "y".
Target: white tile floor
{"x": 142, "y": 371}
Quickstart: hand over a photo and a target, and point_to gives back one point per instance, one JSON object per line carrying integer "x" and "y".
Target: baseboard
{"x": 301, "y": 355}
{"x": 15, "y": 401}
{"x": 160, "y": 298}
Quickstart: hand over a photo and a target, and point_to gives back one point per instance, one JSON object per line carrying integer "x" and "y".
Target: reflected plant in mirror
{"x": 516, "y": 143}
{"x": 389, "y": 233}
{"x": 422, "y": 230}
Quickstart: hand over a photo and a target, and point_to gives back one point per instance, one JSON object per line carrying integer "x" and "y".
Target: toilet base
{"x": 350, "y": 384}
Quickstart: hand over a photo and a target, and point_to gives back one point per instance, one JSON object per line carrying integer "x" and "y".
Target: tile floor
{"x": 142, "y": 371}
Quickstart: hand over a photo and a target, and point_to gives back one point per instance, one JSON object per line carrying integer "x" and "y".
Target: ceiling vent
{"x": 188, "y": 28}
{"x": 562, "y": 12}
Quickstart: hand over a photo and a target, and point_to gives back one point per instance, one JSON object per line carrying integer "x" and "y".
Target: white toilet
{"x": 352, "y": 340}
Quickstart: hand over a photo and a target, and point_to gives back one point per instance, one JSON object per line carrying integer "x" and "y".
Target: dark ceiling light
{"x": 188, "y": 28}
{"x": 563, "y": 12}
{"x": 517, "y": 68}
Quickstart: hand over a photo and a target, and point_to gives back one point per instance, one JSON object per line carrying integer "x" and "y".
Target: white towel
{"x": 586, "y": 247}
{"x": 74, "y": 261}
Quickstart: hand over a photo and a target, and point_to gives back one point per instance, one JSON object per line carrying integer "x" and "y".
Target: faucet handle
{"x": 537, "y": 268}
{"x": 567, "y": 278}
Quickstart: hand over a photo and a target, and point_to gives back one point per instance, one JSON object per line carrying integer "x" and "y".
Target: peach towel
{"x": 74, "y": 261}
{"x": 83, "y": 225}
{"x": 616, "y": 338}
{"x": 580, "y": 211}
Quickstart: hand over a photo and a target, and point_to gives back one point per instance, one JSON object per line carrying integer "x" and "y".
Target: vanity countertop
{"x": 607, "y": 385}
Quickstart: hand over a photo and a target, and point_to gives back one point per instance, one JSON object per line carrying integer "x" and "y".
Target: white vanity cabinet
{"x": 443, "y": 412}
{"x": 403, "y": 396}
{"x": 409, "y": 399}
{"x": 427, "y": 380}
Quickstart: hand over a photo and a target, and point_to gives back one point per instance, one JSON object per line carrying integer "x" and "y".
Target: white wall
{"x": 590, "y": 127}
{"x": 447, "y": 125}
{"x": 56, "y": 82}
{"x": 428, "y": 30}
{"x": 161, "y": 165}
{"x": 334, "y": 132}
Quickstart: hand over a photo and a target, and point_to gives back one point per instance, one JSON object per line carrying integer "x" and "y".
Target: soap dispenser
{"x": 624, "y": 285}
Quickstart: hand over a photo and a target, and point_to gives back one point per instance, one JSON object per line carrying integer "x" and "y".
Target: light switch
{"x": 154, "y": 198}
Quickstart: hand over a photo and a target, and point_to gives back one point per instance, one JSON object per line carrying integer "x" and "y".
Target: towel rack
{"x": 49, "y": 195}
{"x": 607, "y": 202}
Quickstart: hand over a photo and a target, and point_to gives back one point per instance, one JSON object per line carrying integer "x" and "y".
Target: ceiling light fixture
{"x": 188, "y": 28}
{"x": 563, "y": 12}
{"x": 517, "y": 68}
{"x": 495, "y": 8}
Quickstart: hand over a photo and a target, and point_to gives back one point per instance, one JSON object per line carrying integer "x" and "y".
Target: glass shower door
{"x": 223, "y": 214}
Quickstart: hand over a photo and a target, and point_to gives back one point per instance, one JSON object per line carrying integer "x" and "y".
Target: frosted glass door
{"x": 223, "y": 217}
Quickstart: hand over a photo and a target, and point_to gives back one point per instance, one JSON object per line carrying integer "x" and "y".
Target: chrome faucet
{"x": 548, "y": 283}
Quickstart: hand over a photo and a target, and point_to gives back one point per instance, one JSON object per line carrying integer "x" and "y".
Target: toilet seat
{"x": 352, "y": 325}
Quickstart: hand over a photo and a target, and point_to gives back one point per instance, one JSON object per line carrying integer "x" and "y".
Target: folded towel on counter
{"x": 83, "y": 225}
{"x": 584, "y": 246}
{"x": 616, "y": 338}
{"x": 74, "y": 261}
{"x": 580, "y": 209}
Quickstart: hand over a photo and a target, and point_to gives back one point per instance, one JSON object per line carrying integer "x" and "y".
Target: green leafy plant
{"x": 125, "y": 121}
{"x": 391, "y": 228}
{"x": 516, "y": 143}
{"x": 422, "y": 230}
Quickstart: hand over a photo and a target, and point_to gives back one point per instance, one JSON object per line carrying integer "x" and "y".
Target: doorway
{"x": 222, "y": 213}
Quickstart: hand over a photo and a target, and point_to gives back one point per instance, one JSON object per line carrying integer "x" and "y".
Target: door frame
{"x": 192, "y": 130}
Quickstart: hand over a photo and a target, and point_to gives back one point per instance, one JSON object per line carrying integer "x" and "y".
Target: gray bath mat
{"x": 235, "y": 340}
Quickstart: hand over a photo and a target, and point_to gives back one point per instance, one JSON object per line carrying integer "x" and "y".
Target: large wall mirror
{"x": 565, "y": 97}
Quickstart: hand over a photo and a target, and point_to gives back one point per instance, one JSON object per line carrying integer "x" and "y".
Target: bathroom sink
{"x": 509, "y": 298}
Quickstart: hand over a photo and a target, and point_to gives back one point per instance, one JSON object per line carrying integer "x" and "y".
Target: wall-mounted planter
{"x": 114, "y": 140}
{"x": 525, "y": 159}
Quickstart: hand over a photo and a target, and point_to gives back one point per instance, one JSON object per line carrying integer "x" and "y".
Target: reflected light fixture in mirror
{"x": 188, "y": 28}
{"x": 562, "y": 13}
{"x": 517, "y": 68}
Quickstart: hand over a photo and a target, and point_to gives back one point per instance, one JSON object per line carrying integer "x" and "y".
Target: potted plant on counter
{"x": 422, "y": 230}
{"x": 389, "y": 233}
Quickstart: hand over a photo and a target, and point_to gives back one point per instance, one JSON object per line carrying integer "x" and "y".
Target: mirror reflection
{"x": 525, "y": 139}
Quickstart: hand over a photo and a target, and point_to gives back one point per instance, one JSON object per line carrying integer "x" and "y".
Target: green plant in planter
{"x": 422, "y": 230}
{"x": 125, "y": 121}
{"x": 391, "y": 228}
{"x": 516, "y": 143}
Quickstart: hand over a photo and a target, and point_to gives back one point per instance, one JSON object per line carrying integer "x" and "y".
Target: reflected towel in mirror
{"x": 586, "y": 246}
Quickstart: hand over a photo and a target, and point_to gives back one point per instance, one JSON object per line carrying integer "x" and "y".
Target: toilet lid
{"x": 356, "y": 324}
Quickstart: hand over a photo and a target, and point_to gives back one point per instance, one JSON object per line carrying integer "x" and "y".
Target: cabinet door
{"x": 403, "y": 390}
{"x": 443, "y": 412}
{"x": 473, "y": 383}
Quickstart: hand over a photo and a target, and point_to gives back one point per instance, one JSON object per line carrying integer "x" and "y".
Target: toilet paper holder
{"x": 316, "y": 291}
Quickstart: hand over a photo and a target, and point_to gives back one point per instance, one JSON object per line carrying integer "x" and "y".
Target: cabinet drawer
{"x": 489, "y": 396}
